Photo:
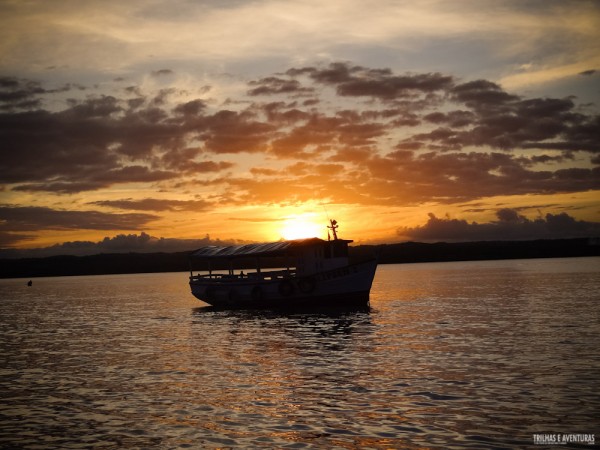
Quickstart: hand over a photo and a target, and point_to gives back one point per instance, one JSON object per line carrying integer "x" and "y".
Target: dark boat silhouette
{"x": 308, "y": 272}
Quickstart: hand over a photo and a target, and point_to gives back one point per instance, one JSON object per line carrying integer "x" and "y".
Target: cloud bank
{"x": 410, "y": 123}
{"x": 510, "y": 225}
{"x": 121, "y": 243}
{"x": 335, "y": 133}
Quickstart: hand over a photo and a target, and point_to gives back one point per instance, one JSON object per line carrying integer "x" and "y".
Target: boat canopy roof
{"x": 280, "y": 248}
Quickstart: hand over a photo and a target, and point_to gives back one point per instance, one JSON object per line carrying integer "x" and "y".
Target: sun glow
{"x": 301, "y": 227}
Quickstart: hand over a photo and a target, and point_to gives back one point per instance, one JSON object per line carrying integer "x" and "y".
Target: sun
{"x": 300, "y": 227}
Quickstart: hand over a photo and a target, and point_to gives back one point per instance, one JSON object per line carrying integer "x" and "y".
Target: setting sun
{"x": 300, "y": 227}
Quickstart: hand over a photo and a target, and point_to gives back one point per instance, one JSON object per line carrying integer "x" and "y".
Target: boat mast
{"x": 334, "y": 226}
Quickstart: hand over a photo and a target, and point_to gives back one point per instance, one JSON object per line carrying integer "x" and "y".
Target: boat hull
{"x": 344, "y": 286}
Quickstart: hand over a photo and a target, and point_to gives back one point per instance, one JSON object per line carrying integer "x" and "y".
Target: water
{"x": 450, "y": 355}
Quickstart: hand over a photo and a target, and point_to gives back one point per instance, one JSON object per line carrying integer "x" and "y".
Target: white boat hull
{"x": 344, "y": 286}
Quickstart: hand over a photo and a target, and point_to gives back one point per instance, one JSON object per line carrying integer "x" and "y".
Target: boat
{"x": 283, "y": 274}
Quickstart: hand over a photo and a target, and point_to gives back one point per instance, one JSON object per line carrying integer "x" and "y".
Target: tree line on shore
{"x": 407, "y": 252}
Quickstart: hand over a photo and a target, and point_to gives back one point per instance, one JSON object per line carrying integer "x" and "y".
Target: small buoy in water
{"x": 29, "y": 283}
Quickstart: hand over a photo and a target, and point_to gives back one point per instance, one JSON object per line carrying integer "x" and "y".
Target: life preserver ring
{"x": 286, "y": 288}
{"x": 257, "y": 293}
{"x": 307, "y": 285}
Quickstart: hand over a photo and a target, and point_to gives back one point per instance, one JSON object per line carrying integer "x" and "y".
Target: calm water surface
{"x": 450, "y": 355}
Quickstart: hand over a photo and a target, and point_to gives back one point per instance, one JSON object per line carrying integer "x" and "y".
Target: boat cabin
{"x": 294, "y": 258}
{"x": 321, "y": 256}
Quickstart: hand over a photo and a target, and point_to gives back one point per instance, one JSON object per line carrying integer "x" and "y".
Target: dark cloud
{"x": 153, "y": 204}
{"x": 510, "y": 225}
{"x": 588, "y": 72}
{"x": 453, "y": 119}
{"x": 489, "y": 116}
{"x": 93, "y": 108}
{"x": 282, "y": 113}
{"x": 196, "y": 167}
{"x": 23, "y": 94}
{"x": 236, "y": 132}
{"x": 388, "y": 87}
{"x": 357, "y": 81}
{"x": 405, "y": 177}
{"x": 321, "y": 133}
{"x": 100, "y": 141}
{"x": 162, "y": 72}
{"x": 482, "y": 95}
{"x": 32, "y": 218}
{"x": 9, "y": 239}
{"x": 191, "y": 108}
{"x": 502, "y": 121}
{"x": 98, "y": 180}
{"x": 275, "y": 85}
{"x": 19, "y": 94}
{"x": 406, "y": 138}
{"x": 17, "y": 221}
{"x": 121, "y": 243}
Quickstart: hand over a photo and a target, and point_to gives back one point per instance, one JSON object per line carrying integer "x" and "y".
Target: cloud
{"x": 10, "y": 239}
{"x": 35, "y": 217}
{"x": 481, "y": 94}
{"x": 504, "y": 121}
{"x": 405, "y": 177}
{"x": 20, "y": 223}
{"x": 91, "y": 104}
{"x": 510, "y": 225}
{"x": 191, "y": 108}
{"x": 20, "y": 94}
{"x": 357, "y": 81}
{"x": 100, "y": 141}
{"x": 235, "y": 132}
{"x": 121, "y": 243}
{"x": 395, "y": 139}
{"x": 275, "y": 85}
{"x": 453, "y": 119}
{"x": 98, "y": 37}
{"x": 162, "y": 72}
{"x": 128, "y": 174}
{"x": 153, "y": 204}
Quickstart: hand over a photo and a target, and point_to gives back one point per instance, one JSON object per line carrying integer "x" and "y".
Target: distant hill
{"x": 105, "y": 263}
{"x": 408, "y": 252}
{"x": 415, "y": 252}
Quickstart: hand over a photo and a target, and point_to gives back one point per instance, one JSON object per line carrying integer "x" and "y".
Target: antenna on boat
{"x": 334, "y": 226}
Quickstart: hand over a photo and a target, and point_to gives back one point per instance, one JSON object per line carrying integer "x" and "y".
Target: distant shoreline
{"x": 407, "y": 252}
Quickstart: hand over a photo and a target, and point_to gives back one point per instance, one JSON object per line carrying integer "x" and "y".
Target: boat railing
{"x": 242, "y": 276}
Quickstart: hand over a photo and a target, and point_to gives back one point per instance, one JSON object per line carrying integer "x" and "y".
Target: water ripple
{"x": 437, "y": 362}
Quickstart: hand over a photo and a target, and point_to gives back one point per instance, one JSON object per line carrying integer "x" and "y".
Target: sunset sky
{"x": 146, "y": 125}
